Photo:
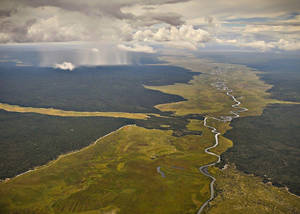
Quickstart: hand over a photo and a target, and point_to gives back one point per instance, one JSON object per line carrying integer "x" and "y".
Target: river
{"x": 220, "y": 85}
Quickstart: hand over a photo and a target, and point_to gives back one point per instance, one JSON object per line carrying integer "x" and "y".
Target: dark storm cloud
{"x": 5, "y": 13}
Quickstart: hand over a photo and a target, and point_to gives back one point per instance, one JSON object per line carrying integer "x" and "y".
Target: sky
{"x": 149, "y": 25}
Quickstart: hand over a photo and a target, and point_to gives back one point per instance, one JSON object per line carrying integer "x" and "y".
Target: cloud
{"x": 149, "y": 19}
{"x": 288, "y": 45}
{"x": 184, "y": 36}
{"x": 95, "y": 50}
{"x": 65, "y": 66}
{"x": 79, "y": 54}
{"x": 54, "y": 21}
{"x": 136, "y": 48}
{"x": 138, "y": 24}
{"x": 261, "y": 45}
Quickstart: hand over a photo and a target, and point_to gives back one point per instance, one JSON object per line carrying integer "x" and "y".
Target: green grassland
{"x": 203, "y": 98}
{"x": 239, "y": 193}
{"x": 117, "y": 173}
{"x": 62, "y": 113}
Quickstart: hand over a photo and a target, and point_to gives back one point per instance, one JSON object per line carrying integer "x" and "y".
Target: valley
{"x": 149, "y": 164}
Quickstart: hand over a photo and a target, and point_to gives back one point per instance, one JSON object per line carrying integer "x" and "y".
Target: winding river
{"x": 160, "y": 172}
{"x": 220, "y": 85}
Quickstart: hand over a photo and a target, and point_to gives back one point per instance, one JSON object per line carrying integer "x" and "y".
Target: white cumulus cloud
{"x": 185, "y": 36}
{"x": 137, "y": 48}
{"x": 95, "y": 50}
{"x": 261, "y": 45}
{"x": 65, "y": 66}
